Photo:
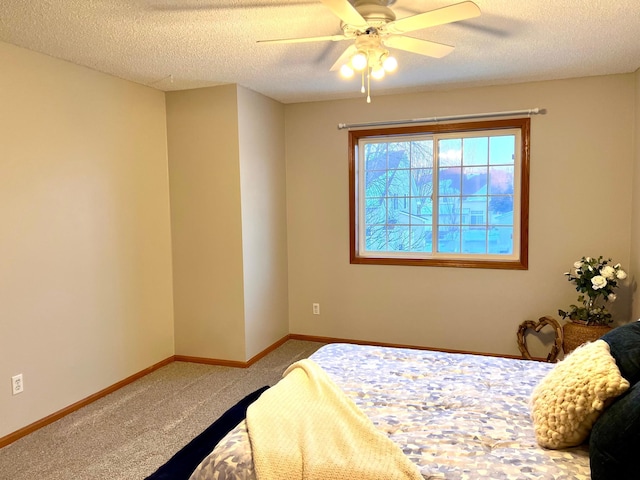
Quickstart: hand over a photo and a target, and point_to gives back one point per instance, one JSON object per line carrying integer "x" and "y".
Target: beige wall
{"x": 228, "y": 207}
{"x": 581, "y": 188}
{"x": 264, "y": 219}
{"x": 202, "y": 126}
{"x": 635, "y": 220}
{"x": 85, "y": 262}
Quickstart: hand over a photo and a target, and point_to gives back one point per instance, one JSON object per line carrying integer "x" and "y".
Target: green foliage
{"x": 595, "y": 279}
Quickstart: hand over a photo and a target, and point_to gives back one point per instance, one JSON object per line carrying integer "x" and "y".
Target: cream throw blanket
{"x": 305, "y": 427}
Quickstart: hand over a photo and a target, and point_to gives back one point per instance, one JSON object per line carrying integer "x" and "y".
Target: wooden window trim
{"x": 524, "y": 124}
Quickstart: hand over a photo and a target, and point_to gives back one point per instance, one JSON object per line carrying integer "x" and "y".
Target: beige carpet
{"x": 127, "y": 435}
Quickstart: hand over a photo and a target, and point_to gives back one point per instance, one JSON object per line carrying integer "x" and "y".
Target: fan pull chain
{"x": 368, "y": 69}
{"x": 362, "y": 90}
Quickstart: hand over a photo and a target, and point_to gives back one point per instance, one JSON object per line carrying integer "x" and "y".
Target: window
{"x": 442, "y": 195}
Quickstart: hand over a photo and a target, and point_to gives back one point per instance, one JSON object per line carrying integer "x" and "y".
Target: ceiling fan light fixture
{"x": 359, "y": 61}
{"x": 377, "y": 72}
{"x": 346, "y": 71}
{"x": 373, "y": 26}
{"x": 390, "y": 64}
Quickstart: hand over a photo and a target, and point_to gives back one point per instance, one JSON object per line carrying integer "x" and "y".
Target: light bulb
{"x": 359, "y": 61}
{"x": 346, "y": 71}
{"x": 390, "y": 64}
{"x": 377, "y": 72}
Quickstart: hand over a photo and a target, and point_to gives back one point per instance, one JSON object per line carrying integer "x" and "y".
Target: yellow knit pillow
{"x": 567, "y": 402}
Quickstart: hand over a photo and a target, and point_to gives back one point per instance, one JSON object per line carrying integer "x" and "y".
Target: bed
{"x": 455, "y": 416}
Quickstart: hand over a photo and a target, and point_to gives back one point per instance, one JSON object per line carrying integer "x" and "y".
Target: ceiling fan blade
{"x": 343, "y": 58}
{"x": 421, "y": 47}
{"x": 440, "y": 16}
{"x": 326, "y": 38}
{"x": 346, "y": 12}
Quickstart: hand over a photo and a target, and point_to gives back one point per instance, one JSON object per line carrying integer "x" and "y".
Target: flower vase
{"x": 575, "y": 334}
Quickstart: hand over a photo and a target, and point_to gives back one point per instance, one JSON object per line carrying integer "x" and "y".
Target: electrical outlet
{"x": 17, "y": 385}
{"x": 316, "y": 309}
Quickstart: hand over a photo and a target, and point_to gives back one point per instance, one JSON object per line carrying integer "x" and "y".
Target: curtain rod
{"x": 532, "y": 111}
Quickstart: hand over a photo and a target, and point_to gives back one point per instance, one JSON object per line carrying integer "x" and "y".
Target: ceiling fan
{"x": 373, "y": 27}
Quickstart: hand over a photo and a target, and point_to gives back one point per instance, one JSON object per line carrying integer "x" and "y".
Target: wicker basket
{"x": 575, "y": 334}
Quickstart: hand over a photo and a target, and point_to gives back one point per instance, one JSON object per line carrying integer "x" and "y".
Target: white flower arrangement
{"x": 595, "y": 279}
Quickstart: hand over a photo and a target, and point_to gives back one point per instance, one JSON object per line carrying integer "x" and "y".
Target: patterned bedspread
{"x": 455, "y": 416}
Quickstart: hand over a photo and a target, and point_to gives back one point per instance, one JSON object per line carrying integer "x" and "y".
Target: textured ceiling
{"x": 182, "y": 44}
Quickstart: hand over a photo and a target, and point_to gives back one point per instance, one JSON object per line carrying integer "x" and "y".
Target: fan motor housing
{"x": 375, "y": 12}
{"x": 368, "y": 41}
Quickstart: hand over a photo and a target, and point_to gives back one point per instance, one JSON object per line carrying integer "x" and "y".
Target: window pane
{"x": 397, "y": 208}
{"x": 375, "y": 183}
{"x": 450, "y": 152}
{"x": 501, "y": 210}
{"x": 474, "y": 181}
{"x": 376, "y": 238}
{"x": 474, "y": 210}
{"x": 398, "y": 182}
{"x": 449, "y": 239}
{"x": 501, "y": 240}
{"x": 375, "y": 156}
{"x": 474, "y": 240}
{"x": 421, "y": 210}
{"x": 475, "y": 151}
{"x": 502, "y": 150}
{"x": 500, "y": 180}
{"x": 449, "y": 180}
{"x": 398, "y": 155}
{"x": 376, "y": 211}
{"x": 421, "y": 239}
{"x": 422, "y": 182}
{"x": 398, "y": 239}
{"x": 422, "y": 154}
{"x": 449, "y": 210}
